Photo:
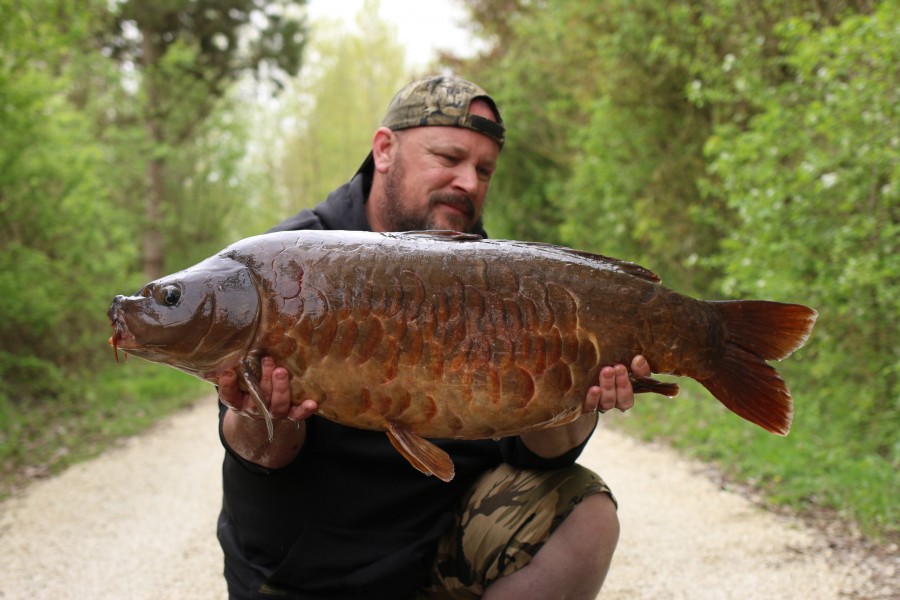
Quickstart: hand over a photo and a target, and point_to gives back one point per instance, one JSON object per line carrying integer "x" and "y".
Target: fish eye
{"x": 170, "y": 295}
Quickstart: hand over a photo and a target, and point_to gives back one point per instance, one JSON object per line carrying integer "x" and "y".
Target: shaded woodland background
{"x": 737, "y": 149}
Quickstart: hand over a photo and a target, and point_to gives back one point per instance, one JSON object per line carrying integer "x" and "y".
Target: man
{"x": 326, "y": 511}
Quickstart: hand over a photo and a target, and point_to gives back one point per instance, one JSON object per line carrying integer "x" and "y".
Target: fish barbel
{"x": 447, "y": 335}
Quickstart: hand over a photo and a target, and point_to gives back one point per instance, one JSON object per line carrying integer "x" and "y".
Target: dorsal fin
{"x": 603, "y": 262}
{"x": 443, "y": 235}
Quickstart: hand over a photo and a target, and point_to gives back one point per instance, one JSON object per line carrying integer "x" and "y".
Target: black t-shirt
{"x": 350, "y": 517}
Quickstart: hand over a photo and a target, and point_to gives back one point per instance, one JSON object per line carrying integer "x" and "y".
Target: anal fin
{"x": 422, "y": 454}
{"x": 644, "y": 385}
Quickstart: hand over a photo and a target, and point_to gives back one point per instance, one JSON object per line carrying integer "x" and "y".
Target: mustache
{"x": 457, "y": 201}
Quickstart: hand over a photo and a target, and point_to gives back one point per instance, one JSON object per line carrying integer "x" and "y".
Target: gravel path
{"x": 139, "y": 523}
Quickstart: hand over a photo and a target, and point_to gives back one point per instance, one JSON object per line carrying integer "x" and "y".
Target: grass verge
{"x": 822, "y": 465}
{"x": 38, "y": 439}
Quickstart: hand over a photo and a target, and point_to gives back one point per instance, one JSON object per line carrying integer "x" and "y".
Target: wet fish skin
{"x": 445, "y": 335}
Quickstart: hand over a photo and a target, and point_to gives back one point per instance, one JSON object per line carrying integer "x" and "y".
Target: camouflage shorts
{"x": 504, "y": 521}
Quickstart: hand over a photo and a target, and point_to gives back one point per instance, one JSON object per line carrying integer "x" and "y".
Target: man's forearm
{"x": 556, "y": 441}
{"x": 249, "y": 439}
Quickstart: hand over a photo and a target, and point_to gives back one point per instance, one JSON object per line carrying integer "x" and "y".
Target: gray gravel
{"x": 139, "y": 523}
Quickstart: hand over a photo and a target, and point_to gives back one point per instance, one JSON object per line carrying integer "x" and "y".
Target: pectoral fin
{"x": 420, "y": 453}
{"x": 248, "y": 374}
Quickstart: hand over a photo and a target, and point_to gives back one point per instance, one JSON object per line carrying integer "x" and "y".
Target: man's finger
{"x": 302, "y": 411}
{"x": 280, "y": 393}
{"x": 607, "y": 389}
{"x": 229, "y": 393}
{"x": 640, "y": 367}
{"x": 624, "y": 392}
{"x": 265, "y": 378}
{"x": 592, "y": 401}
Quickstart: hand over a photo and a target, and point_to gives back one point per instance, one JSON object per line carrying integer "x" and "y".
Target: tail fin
{"x": 757, "y": 331}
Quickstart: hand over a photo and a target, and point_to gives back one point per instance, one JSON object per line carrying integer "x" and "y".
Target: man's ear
{"x": 384, "y": 147}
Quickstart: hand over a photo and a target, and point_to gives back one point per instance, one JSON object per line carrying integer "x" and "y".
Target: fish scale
{"x": 446, "y": 321}
{"x": 445, "y": 335}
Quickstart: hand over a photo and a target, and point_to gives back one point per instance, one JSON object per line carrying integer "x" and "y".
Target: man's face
{"x": 439, "y": 177}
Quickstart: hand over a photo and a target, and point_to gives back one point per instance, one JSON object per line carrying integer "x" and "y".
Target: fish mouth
{"x": 121, "y": 337}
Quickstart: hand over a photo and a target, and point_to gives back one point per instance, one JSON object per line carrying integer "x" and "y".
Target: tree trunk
{"x": 153, "y": 253}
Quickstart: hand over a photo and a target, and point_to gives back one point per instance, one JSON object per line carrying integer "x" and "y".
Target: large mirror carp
{"x": 447, "y": 335}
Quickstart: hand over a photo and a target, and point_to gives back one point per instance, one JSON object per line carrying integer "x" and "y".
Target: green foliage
{"x": 814, "y": 178}
{"x": 821, "y": 464}
{"x": 600, "y": 131}
{"x": 738, "y": 149}
{"x": 81, "y": 134}
{"x": 81, "y": 421}
{"x": 184, "y": 56}
{"x": 58, "y": 241}
{"x": 635, "y": 181}
{"x": 329, "y": 131}
{"x": 204, "y": 45}
{"x": 208, "y": 188}
{"x": 74, "y": 155}
{"x": 541, "y": 97}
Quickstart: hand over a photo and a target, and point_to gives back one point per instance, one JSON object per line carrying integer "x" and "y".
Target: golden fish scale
{"x": 459, "y": 344}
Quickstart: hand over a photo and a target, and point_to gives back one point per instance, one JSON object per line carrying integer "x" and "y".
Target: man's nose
{"x": 466, "y": 178}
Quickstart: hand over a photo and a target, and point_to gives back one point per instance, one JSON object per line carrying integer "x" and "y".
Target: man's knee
{"x": 512, "y": 514}
{"x": 593, "y": 528}
{"x": 574, "y": 561}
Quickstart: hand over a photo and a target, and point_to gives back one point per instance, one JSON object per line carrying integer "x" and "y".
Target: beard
{"x": 400, "y": 216}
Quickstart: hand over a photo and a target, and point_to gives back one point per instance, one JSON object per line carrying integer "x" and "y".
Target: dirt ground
{"x": 139, "y": 523}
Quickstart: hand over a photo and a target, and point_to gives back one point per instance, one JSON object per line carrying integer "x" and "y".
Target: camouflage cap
{"x": 444, "y": 101}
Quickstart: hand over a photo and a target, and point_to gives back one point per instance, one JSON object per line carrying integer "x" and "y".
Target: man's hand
{"x": 243, "y": 427}
{"x": 614, "y": 390}
{"x": 276, "y": 387}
